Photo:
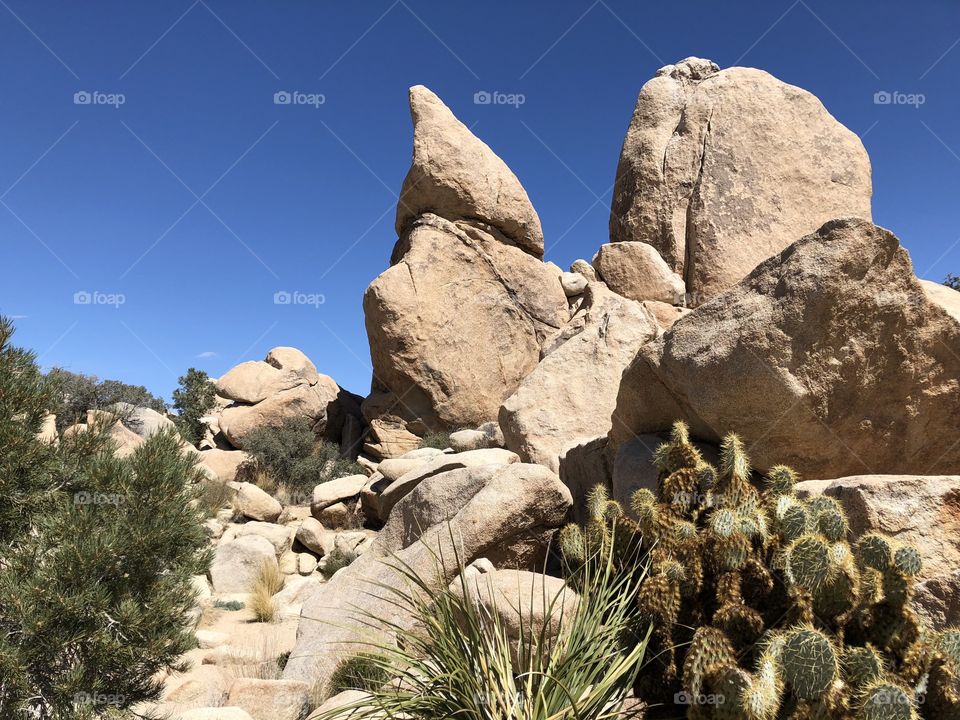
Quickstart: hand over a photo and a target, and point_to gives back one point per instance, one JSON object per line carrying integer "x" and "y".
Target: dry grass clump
{"x": 269, "y": 582}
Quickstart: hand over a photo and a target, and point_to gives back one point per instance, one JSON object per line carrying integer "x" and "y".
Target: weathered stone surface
{"x": 457, "y": 322}
{"x": 215, "y": 713}
{"x": 317, "y": 403}
{"x": 937, "y": 600}
{"x": 333, "y": 491}
{"x": 921, "y": 510}
{"x": 571, "y": 394}
{"x": 721, "y": 169}
{"x": 256, "y": 504}
{"x": 224, "y": 463}
{"x": 573, "y": 283}
{"x": 236, "y": 564}
{"x": 388, "y": 437}
{"x": 270, "y": 699}
{"x": 664, "y": 313}
{"x": 457, "y": 176}
{"x": 144, "y": 421}
{"x": 582, "y": 267}
{"x": 947, "y": 298}
{"x": 340, "y": 700}
{"x": 402, "y": 486}
{"x": 531, "y": 606}
{"x": 636, "y": 271}
{"x": 481, "y": 515}
{"x": 487, "y": 435}
{"x": 280, "y": 536}
{"x": 827, "y": 357}
{"x": 311, "y": 535}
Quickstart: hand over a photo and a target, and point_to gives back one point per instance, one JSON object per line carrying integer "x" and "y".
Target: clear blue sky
{"x": 198, "y": 198}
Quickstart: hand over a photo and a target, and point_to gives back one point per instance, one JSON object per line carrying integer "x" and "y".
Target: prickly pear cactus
{"x": 760, "y": 607}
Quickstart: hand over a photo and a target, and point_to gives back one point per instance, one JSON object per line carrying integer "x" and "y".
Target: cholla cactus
{"x": 758, "y": 597}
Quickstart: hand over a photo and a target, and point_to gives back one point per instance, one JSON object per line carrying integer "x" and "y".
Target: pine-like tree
{"x": 96, "y": 559}
{"x": 193, "y": 399}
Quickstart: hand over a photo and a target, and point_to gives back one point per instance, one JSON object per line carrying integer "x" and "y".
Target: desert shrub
{"x": 952, "y": 281}
{"x": 213, "y": 497}
{"x": 75, "y": 393}
{"x": 230, "y": 605}
{"x": 193, "y": 399}
{"x": 363, "y": 671}
{"x": 96, "y": 559}
{"x": 457, "y": 661}
{"x": 337, "y": 559}
{"x": 761, "y": 608}
{"x": 437, "y": 440}
{"x": 269, "y": 582}
{"x": 291, "y": 455}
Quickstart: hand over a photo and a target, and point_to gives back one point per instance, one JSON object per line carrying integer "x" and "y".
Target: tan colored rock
{"x": 531, "y": 606}
{"x": 270, "y": 699}
{"x": 636, "y": 271}
{"x": 292, "y": 360}
{"x": 236, "y": 564}
{"x": 311, "y": 535}
{"x": 828, "y": 358}
{"x": 937, "y": 601}
{"x": 279, "y": 536}
{"x": 256, "y": 504}
{"x": 215, "y": 713}
{"x": 666, "y": 315}
{"x": 337, "y": 515}
{"x": 224, "y": 463}
{"x": 316, "y": 402}
{"x": 947, "y": 298}
{"x": 457, "y": 176}
{"x": 482, "y": 512}
{"x": 333, "y": 491}
{"x": 254, "y": 381}
{"x": 571, "y": 394}
{"x": 721, "y": 169}
{"x": 584, "y": 268}
{"x": 921, "y": 510}
{"x": 48, "y": 429}
{"x": 347, "y": 698}
{"x": 573, "y": 284}
{"x": 458, "y": 322}
{"x": 392, "y": 493}
{"x": 389, "y": 438}
{"x": 487, "y": 435}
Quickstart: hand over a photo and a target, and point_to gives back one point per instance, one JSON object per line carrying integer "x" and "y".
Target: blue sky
{"x": 198, "y": 198}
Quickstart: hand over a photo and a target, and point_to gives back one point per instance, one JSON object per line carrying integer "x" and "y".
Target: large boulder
{"x": 458, "y": 322}
{"x": 314, "y": 402}
{"x": 464, "y": 513}
{"x": 237, "y": 563}
{"x": 637, "y": 271}
{"x": 828, "y": 357}
{"x": 720, "y": 169}
{"x": 143, "y": 421}
{"x": 456, "y": 175}
{"x": 571, "y": 394}
{"x": 224, "y": 463}
{"x": 921, "y": 510}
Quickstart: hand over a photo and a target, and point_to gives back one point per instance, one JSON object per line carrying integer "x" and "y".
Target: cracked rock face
{"x": 721, "y": 169}
{"x": 458, "y": 321}
{"x": 829, "y": 357}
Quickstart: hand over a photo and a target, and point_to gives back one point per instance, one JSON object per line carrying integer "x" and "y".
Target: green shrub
{"x": 436, "y": 440}
{"x": 952, "y": 281}
{"x": 75, "y": 393}
{"x": 229, "y": 605}
{"x": 291, "y": 455}
{"x": 363, "y": 671}
{"x": 457, "y": 661}
{"x": 96, "y": 559}
{"x": 338, "y": 558}
{"x": 193, "y": 399}
{"x": 758, "y": 599}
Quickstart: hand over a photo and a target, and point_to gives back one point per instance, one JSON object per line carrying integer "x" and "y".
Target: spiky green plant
{"x": 757, "y": 596}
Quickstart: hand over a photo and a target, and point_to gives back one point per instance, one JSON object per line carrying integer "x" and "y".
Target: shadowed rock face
{"x": 828, "y": 357}
{"x": 720, "y": 169}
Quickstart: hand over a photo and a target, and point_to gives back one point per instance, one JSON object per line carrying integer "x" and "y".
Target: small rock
{"x": 208, "y": 639}
{"x": 255, "y": 504}
{"x": 573, "y": 283}
{"x": 306, "y": 563}
{"x": 334, "y": 491}
{"x": 584, "y": 268}
{"x": 310, "y": 534}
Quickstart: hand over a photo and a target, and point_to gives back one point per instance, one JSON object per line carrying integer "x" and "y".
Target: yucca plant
{"x": 458, "y": 662}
